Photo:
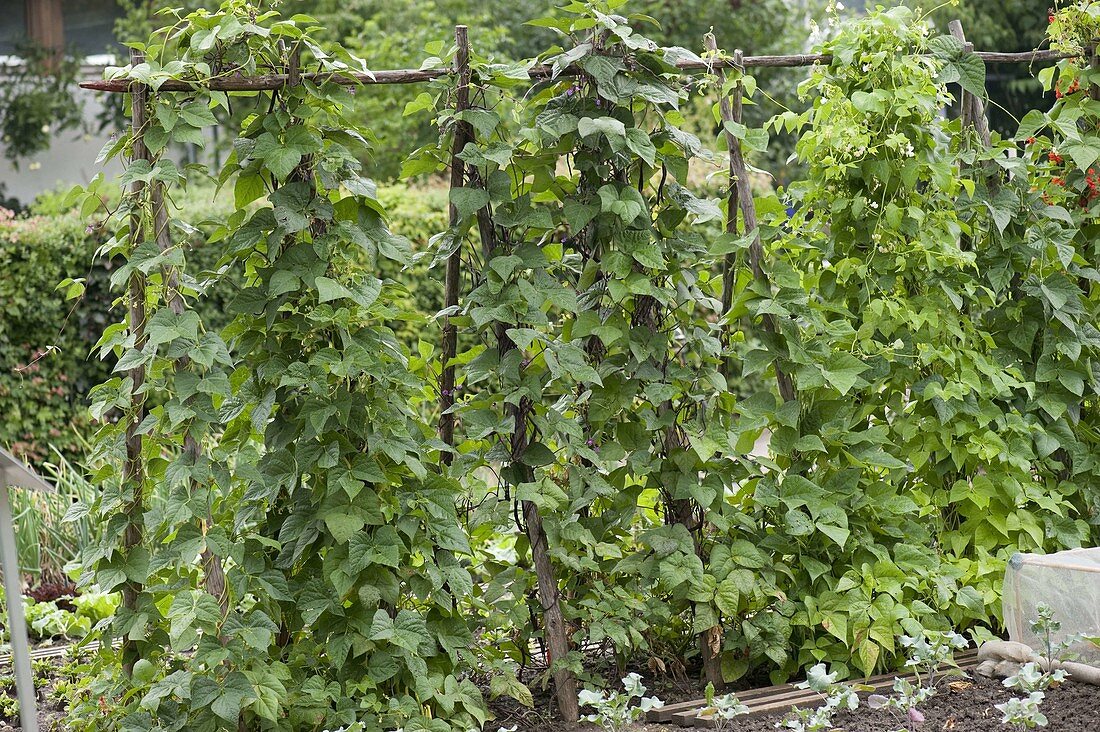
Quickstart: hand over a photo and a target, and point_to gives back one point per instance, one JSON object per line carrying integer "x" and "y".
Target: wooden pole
{"x": 132, "y": 473}
{"x": 294, "y": 74}
{"x": 463, "y": 134}
{"x": 557, "y": 639}
{"x": 266, "y": 82}
{"x": 729, "y": 108}
{"x": 741, "y": 190}
{"x": 44, "y": 23}
{"x": 973, "y": 108}
{"x": 972, "y": 116}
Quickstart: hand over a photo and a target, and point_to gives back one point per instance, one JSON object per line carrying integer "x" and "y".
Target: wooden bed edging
{"x": 775, "y": 699}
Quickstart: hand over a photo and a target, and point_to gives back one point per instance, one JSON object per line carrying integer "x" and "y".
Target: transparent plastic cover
{"x": 1069, "y": 582}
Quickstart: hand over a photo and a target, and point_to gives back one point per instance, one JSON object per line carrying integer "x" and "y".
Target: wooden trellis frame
{"x": 972, "y": 107}
{"x": 133, "y": 468}
{"x": 463, "y": 134}
{"x": 739, "y": 199}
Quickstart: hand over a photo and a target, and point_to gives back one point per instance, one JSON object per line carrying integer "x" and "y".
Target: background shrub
{"x": 46, "y": 366}
{"x": 45, "y": 369}
{"x": 416, "y": 213}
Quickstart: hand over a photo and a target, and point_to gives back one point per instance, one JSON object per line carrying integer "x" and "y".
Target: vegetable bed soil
{"x": 963, "y": 705}
{"x": 969, "y": 706}
{"x": 966, "y": 705}
{"x": 53, "y": 677}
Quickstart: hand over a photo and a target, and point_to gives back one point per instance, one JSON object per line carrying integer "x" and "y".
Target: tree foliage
{"x": 36, "y": 101}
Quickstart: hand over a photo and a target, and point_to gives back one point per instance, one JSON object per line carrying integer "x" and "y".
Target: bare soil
{"x": 967, "y": 705}
{"x": 1070, "y": 708}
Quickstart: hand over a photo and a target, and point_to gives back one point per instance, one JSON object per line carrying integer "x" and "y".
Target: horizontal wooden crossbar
{"x": 416, "y": 76}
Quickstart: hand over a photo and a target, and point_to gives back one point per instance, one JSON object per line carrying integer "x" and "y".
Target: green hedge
{"x": 45, "y": 368}
{"x": 46, "y": 361}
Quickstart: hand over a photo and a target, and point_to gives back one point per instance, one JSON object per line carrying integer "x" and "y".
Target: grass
{"x": 45, "y": 541}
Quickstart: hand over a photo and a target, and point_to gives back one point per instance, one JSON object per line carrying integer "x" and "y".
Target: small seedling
{"x": 723, "y": 708}
{"x": 929, "y": 652}
{"x": 1024, "y": 713}
{"x": 1045, "y": 627}
{"x": 1031, "y": 678}
{"x": 615, "y": 711}
{"x": 837, "y": 697}
{"x": 42, "y": 670}
{"x": 907, "y": 697}
{"x": 9, "y": 707}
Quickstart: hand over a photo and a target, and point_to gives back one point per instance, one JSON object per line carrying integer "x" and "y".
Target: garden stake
{"x": 294, "y": 72}
{"x": 973, "y": 117}
{"x": 15, "y": 474}
{"x": 729, "y": 109}
{"x": 565, "y": 683}
{"x": 463, "y": 134}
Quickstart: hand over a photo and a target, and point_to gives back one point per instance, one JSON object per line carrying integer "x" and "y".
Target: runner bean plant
{"x": 296, "y": 545}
